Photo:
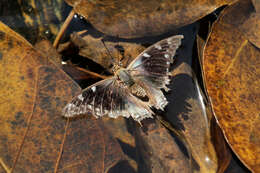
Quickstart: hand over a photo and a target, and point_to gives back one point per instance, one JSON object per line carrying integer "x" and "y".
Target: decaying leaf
{"x": 129, "y": 19}
{"x": 236, "y": 167}
{"x": 159, "y": 150}
{"x": 249, "y": 20}
{"x": 94, "y": 49}
{"x": 187, "y": 113}
{"x": 231, "y": 67}
{"x": 34, "y": 19}
{"x": 222, "y": 151}
{"x": 46, "y": 48}
{"x": 34, "y": 136}
{"x": 256, "y": 5}
{"x": 122, "y": 130}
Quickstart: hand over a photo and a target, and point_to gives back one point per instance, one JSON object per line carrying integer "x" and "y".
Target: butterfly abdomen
{"x": 138, "y": 91}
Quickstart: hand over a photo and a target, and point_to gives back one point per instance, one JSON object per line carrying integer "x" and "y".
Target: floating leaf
{"x": 231, "y": 70}
{"x": 131, "y": 19}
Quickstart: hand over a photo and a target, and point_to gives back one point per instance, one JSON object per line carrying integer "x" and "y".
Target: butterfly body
{"x": 123, "y": 76}
{"x": 132, "y": 91}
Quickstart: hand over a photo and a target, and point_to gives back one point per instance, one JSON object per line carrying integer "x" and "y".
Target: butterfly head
{"x": 115, "y": 68}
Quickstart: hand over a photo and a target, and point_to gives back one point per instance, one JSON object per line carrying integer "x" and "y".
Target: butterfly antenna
{"x": 113, "y": 59}
{"x": 118, "y": 60}
{"x": 121, "y": 52}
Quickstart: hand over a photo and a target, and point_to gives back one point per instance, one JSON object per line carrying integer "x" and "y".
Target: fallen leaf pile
{"x": 212, "y": 121}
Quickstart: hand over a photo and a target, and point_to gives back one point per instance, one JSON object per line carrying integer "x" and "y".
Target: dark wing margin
{"x": 151, "y": 68}
{"x": 107, "y": 97}
{"x": 94, "y": 99}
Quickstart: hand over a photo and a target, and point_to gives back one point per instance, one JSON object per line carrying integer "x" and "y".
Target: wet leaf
{"x": 235, "y": 166}
{"x": 34, "y": 19}
{"x": 159, "y": 150}
{"x": 222, "y": 151}
{"x": 46, "y": 48}
{"x": 89, "y": 147}
{"x": 35, "y": 137}
{"x": 129, "y": 19}
{"x": 256, "y": 5}
{"x": 187, "y": 110}
{"x": 187, "y": 113}
{"x": 249, "y": 20}
{"x": 122, "y": 130}
{"x": 231, "y": 70}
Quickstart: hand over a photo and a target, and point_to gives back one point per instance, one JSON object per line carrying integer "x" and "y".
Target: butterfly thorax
{"x": 124, "y": 77}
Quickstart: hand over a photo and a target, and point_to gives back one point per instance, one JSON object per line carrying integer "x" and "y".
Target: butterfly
{"x": 131, "y": 91}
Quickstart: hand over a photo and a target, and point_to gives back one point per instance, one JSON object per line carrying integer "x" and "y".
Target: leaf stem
{"x": 63, "y": 28}
{"x": 92, "y": 73}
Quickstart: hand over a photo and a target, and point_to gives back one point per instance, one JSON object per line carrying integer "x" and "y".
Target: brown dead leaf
{"x": 131, "y": 19}
{"x": 231, "y": 67}
{"x": 34, "y": 19}
{"x": 35, "y": 137}
{"x": 89, "y": 148}
{"x": 249, "y": 20}
{"x": 256, "y": 5}
{"x": 222, "y": 151}
{"x": 235, "y": 166}
{"x": 119, "y": 129}
{"x": 94, "y": 49}
{"x": 159, "y": 149}
{"x": 46, "y": 48}
{"x": 187, "y": 113}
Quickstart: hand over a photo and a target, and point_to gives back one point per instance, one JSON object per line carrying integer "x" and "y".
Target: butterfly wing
{"x": 110, "y": 97}
{"x": 107, "y": 97}
{"x": 90, "y": 100}
{"x": 151, "y": 68}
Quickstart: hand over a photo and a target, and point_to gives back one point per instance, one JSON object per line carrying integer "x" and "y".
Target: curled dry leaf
{"x": 34, "y": 137}
{"x": 94, "y": 49}
{"x": 222, "y": 151}
{"x": 187, "y": 113}
{"x": 132, "y": 19}
{"x": 231, "y": 67}
{"x": 186, "y": 109}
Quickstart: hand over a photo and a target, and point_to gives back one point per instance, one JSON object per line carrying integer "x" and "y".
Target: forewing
{"x": 93, "y": 100}
{"x": 108, "y": 97}
{"x": 151, "y": 68}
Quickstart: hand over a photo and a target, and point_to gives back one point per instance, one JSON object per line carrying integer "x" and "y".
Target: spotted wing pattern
{"x": 110, "y": 97}
{"x": 107, "y": 97}
{"x": 151, "y": 68}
